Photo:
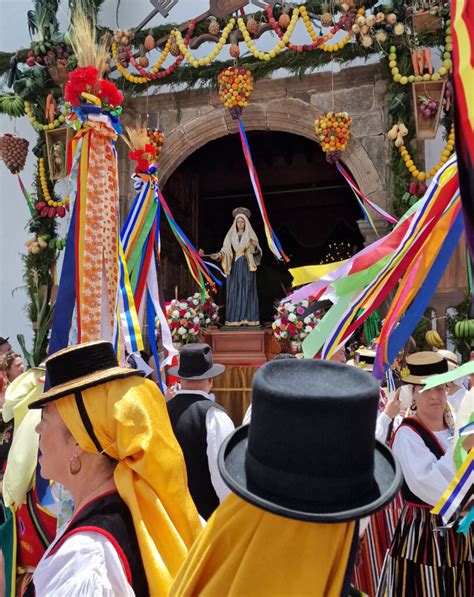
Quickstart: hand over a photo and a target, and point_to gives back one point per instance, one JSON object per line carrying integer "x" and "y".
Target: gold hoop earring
{"x": 75, "y": 465}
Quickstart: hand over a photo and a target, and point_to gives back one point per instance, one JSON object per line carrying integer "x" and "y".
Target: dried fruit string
{"x": 318, "y": 42}
{"x": 154, "y": 73}
{"x": 49, "y": 207}
{"x": 196, "y": 63}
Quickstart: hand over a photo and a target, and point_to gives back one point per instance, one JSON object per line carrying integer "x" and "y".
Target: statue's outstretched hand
{"x": 201, "y": 253}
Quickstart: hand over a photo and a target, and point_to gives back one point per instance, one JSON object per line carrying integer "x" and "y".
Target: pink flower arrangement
{"x": 290, "y": 324}
{"x": 188, "y": 318}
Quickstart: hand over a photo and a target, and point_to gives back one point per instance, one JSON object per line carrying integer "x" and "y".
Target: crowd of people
{"x": 326, "y": 488}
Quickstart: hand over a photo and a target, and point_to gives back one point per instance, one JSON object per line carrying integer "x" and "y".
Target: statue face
{"x": 240, "y": 223}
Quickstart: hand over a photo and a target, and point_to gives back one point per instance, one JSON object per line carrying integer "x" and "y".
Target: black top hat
{"x": 310, "y": 451}
{"x": 423, "y": 365}
{"x": 195, "y": 362}
{"x": 79, "y": 367}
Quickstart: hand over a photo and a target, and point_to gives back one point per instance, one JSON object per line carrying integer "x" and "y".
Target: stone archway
{"x": 290, "y": 115}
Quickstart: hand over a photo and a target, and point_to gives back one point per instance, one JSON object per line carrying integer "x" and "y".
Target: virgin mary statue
{"x": 240, "y": 256}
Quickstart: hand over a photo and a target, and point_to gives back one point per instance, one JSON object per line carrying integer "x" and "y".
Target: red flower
{"x": 80, "y": 80}
{"x": 292, "y": 329}
{"x": 142, "y": 165}
{"x": 109, "y": 94}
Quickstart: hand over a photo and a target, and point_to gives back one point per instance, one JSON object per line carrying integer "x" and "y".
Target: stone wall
{"x": 192, "y": 118}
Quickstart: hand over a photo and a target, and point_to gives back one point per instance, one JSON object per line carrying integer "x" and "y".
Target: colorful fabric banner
{"x": 457, "y": 491}
{"x": 462, "y": 32}
{"x": 426, "y": 233}
{"x": 94, "y": 296}
{"x": 272, "y": 240}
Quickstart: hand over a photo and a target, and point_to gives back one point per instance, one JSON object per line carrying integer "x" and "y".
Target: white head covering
{"x": 235, "y": 246}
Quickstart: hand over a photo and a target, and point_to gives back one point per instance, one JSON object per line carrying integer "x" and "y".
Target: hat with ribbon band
{"x": 79, "y": 367}
{"x": 420, "y": 366}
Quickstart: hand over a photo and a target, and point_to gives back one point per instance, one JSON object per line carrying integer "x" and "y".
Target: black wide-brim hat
{"x": 310, "y": 452}
{"x": 196, "y": 363}
{"x": 79, "y": 367}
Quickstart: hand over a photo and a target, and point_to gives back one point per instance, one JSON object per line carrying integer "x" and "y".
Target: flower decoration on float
{"x": 332, "y": 133}
{"x": 292, "y": 322}
{"x": 143, "y": 149}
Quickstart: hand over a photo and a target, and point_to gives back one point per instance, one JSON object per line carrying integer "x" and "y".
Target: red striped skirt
{"x": 423, "y": 561}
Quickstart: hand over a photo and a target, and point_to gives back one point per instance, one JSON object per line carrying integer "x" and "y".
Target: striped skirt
{"x": 374, "y": 546}
{"x": 423, "y": 561}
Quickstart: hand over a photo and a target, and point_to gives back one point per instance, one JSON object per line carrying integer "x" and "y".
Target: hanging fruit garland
{"x": 49, "y": 208}
{"x": 156, "y": 138}
{"x": 210, "y": 57}
{"x": 155, "y": 72}
{"x": 235, "y": 86}
{"x": 54, "y": 124}
{"x": 285, "y": 38}
{"x": 421, "y": 61}
{"x": 420, "y": 175}
{"x": 332, "y": 133}
{"x": 317, "y": 42}
{"x": 13, "y": 151}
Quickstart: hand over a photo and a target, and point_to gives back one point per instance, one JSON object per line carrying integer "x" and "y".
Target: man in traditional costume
{"x": 240, "y": 256}
{"x": 303, "y": 473}
{"x": 200, "y": 425}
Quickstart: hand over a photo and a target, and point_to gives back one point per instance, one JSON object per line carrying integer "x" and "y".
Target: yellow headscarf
{"x": 130, "y": 420}
{"x": 246, "y": 551}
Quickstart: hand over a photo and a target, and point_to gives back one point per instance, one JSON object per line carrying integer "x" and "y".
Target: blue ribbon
{"x": 408, "y": 322}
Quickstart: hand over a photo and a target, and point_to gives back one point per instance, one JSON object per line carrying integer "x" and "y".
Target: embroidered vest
{"x": 433, "y": 446}
{"x": 188, "y": 418}
{"x": 109, "y": 516}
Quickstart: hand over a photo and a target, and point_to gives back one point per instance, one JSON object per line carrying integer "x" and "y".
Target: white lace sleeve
{"x": 86, "y": 565}
{"x": 426, "y": 476}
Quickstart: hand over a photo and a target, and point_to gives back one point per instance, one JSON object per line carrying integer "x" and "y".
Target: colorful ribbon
{"x": 94, "y": 297}
{"x": 364, "y": 199}
{"x": 272, "y": 240}
{"x": 360, "y": 284}
{"x": 459, "y": 488}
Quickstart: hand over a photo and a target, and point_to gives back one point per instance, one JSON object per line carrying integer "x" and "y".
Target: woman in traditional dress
{"x": 425, "y": 559}
{"x": 240, "y": 256}
{"x": 106, "y": 436}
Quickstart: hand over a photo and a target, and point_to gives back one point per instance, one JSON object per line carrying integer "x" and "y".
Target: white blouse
{"x": 86, "y": 565}
{"x": 426, "y": 477}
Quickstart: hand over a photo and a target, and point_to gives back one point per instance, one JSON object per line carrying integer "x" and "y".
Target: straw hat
{"x": 79, "y": 367}
{"x": 420, "y": 366}
{"x": 364, "y": 358}
{"x": 452, "y": 359}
